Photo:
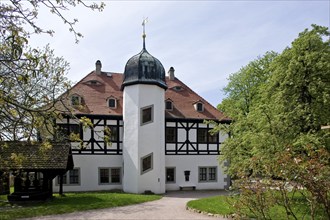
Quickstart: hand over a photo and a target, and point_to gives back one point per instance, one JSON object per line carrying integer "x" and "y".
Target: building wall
{"x": 93, "y": 138}
{"x": 88, "y": 166}
{"x": 186, "y": 154}
{"x": 186, "y": 138}
{"x": 192, "y": 164}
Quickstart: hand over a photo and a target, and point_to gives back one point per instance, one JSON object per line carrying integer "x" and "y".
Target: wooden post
{"x": 61, "y": 185}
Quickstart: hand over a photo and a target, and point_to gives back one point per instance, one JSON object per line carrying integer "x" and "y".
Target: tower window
{"x": 146, "y": 115}
{"x": 112, "y": 102}
{"x": 146, "y": 163}
{"x": 169, "y": 105}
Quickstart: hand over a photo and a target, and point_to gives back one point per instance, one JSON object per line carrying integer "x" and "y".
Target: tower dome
{"x": 143, "y": 68}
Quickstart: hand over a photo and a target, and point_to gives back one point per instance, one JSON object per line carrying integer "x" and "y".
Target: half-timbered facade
{"x": 159, "y": 140}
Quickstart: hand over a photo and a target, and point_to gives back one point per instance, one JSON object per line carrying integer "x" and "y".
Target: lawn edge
{"x": 230, "y": 216}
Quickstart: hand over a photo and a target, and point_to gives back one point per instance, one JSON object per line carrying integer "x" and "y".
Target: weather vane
{"x": 145, "y": 20}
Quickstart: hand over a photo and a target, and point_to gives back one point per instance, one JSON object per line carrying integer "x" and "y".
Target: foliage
{"x": 243, "y": 92}
{"x": 32, "y": 79}
{"x": 19, "y": 17}
{"x": 237, "y": 207}
{"x": 73, "y": 202}
{"x": 276, "y": 130}
{"x": 28, "y": 92}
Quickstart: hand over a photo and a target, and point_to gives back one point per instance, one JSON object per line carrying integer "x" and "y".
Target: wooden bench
{"x": 187, "y": 187}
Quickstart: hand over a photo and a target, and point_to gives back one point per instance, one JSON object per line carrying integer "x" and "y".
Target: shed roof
{"x": 35, "y": 156}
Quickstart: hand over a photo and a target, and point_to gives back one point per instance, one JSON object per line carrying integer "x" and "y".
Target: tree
{"x": 276, "y": 129}
{"x": 298, "y": 105}
{"x": 31, "y": 79}
{"x": 29, "y": 91}
{"x": 243, "y": 95}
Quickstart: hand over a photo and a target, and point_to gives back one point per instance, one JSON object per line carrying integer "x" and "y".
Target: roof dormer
{"x": 199, "y": 106}
{"x": 112, "y": 102}
{"x": 177, "y": 88}
{"x": 75, "y": 99}
{"x": 93, "y": 82}
{"x": 168, "y": 104}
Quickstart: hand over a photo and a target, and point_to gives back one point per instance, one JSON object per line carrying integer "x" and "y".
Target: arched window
{"x": 169, "y": 105}
{"x": 75, "y": 100}
{"x": 112, "y": 102}
{"x": 199, "y": 106}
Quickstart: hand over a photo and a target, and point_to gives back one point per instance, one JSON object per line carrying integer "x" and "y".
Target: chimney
{"x": 170, "y": 73}
{"x": 98, "y": 66}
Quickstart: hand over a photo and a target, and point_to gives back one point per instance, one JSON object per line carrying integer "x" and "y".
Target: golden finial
{"x": 145, "y": 20}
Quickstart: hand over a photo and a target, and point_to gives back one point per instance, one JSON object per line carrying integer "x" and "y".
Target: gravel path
{"x": 171, "y": 206}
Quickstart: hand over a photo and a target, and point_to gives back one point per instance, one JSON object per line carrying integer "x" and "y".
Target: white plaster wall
{"x": 98, "y": 133}
{"x": 130, "y": 139}
{"x": 192, "y": 163}
{"x": 152, "y": 139}
{"x": 89, "y": 172}
{"x": 140, "y": 141}
{"x": 182, "y": 134}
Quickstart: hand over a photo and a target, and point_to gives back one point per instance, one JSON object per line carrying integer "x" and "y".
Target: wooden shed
{"x": 34, "y": 166}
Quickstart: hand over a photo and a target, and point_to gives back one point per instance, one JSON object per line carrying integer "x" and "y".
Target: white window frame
{"x": 197, "y": 108}
{"x": 208, "y": 179}
{"x": 66, "y": 176}
{"x": 110, "y": 181}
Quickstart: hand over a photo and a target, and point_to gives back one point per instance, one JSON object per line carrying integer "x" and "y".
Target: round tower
{"x": 144, "y": 124}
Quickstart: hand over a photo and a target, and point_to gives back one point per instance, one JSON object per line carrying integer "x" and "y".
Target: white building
{"x": 158, "y": 139}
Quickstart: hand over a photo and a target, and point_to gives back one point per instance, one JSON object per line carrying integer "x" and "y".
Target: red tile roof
{"x": 94, "y": 97}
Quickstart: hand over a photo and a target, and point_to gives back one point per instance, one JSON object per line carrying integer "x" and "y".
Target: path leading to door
{"x": 171, "y": 206}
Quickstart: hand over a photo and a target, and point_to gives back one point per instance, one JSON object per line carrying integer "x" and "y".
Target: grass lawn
{"x": 215, "y": 205}
{"x": 72, "y": 202}
{"x": 223, "y": 205}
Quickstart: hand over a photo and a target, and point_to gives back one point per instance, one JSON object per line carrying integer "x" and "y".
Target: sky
{"x": 205, "y": 41}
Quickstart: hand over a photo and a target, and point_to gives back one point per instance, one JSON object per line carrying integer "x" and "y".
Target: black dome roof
{"x": 143, "y": 68}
